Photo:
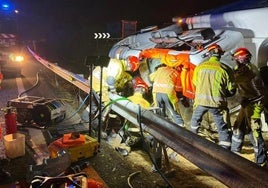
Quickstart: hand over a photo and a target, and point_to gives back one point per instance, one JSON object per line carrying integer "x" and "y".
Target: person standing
{"x": 214, "y": 82}
{"x": 252, "y": 91}
{"x": 166, "y": 82}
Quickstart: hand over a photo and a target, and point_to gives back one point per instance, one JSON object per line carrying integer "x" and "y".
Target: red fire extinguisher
{"x": 1, "y": 78}
{"x": 11, "y": 121}
{"x": 1, "y": 132}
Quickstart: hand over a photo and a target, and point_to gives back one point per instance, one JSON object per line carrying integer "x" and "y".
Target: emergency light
{"x": 5, "y": 6}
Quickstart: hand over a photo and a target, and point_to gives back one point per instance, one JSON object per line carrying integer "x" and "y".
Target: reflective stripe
{"x": 163, "y": 85}
{"x": 225, "y": 143}
{"x": 208, "y": 97}
{"x": 7, "y": 36}
{"x": 194, "y": 129}
{"x": 237, "y": 140}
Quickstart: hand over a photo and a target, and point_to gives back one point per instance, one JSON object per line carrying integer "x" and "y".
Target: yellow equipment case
{"x": 79, "y": 146}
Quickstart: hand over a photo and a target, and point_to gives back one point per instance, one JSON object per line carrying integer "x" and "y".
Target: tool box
{"x": 81, "y": 147}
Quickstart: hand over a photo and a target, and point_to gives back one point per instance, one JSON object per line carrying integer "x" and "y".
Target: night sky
{"x": 63, "y": 29}
{"x": 146, "y": 12}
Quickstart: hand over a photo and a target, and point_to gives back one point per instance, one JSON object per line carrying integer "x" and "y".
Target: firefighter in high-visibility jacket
{"x": 252, "y": 91}
{"x": 178, "y": 60}
{"x": 118, "y": 72}
{"x": 140, "y": 88}
{"x": 214, "y": 82}
{"x": 96, "y": 75}
{"x": 165, "y": 89}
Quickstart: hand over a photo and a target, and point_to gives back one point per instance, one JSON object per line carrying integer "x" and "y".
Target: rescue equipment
{"x": 72, "y": 180}
{"x": 43, "y": 111}
{"x": 79, "y": 146}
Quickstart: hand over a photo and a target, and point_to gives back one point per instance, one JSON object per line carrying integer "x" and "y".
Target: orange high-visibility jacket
{"x": 172, "y": 59}
{"x": 165, "y": 81}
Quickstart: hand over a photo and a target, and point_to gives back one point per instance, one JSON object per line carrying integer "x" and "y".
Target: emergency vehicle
{"x": 10, "y": 49}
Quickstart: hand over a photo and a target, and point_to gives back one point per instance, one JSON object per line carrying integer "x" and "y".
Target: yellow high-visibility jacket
{"x": 117, "y": 76}
{"x": 251, "y": 87}
{"x": 212, "y": 81}
{"x": 137, "y": 98}
{"x": 166, "y": 80}
{"x": 96, "y": 82}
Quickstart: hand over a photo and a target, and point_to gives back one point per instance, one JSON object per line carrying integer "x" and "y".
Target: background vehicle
{"x": 10, "y": 48}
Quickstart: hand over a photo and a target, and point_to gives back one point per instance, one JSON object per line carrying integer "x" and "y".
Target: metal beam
{"x": 229, "y": 168}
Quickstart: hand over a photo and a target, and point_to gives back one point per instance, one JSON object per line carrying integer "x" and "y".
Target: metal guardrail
{"x": 229, "y": 168}
{"x": 74, "y": 79}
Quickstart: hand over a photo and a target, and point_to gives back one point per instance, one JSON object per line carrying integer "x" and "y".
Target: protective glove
{"x": 244, "y": 102}
{"x": 185, "y": 102}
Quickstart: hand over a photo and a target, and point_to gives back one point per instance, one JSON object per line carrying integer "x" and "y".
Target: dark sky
{"x": 99, "y": 12}
{"x": 66, "y": 27}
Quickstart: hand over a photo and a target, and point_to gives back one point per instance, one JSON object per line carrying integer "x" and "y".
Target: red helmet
{"x": 139, "y": 83}
{"x": 242, "y": 55}
{"x": 215, "y": 50}
{"x": 133, "y": 63}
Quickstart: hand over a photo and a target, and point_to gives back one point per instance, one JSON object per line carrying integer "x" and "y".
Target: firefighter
{"x": 180, "y": 61}
{"x": 165, "y": 89}
{"x": 140, "y": 88}
{"x": 251, "y": 89}
{"x": 214, "y": 82}
{"x": 96, "y": 74}
{"x": 118, "y": 73}
{"x": 131, "y": 131}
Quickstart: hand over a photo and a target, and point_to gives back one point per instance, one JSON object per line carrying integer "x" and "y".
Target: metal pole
{"x": 90, "y": 99}
{"x": 100, "y": 107}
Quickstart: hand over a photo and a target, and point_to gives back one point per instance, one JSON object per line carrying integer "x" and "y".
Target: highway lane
{"x": 34, "y": 81}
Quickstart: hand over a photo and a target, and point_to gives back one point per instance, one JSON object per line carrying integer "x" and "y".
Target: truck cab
{"x": 11, "y": 56}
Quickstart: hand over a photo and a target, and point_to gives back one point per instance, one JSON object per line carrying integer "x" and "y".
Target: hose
{"x": 79, "y": 108}
{"x": 150, "y": 156}
{"x": 113, "y": 101}
{"x": 130, "y": 176}
{"x": 36, "y": 83}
